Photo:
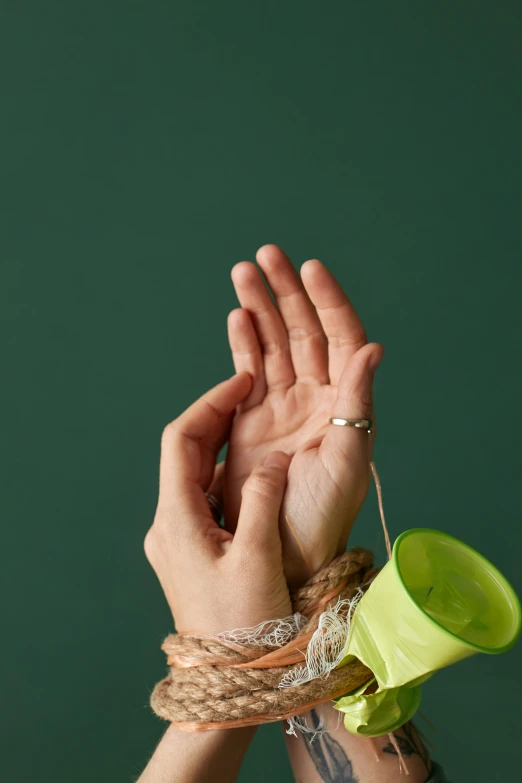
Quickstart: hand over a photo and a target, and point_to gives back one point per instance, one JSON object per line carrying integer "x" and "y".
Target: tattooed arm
{"x": 337, "y": 756}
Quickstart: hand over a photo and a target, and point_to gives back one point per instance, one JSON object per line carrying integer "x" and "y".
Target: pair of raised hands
{"x": 292, "y": 484}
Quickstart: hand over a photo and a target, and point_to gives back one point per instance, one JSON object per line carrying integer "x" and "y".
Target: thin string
{"x": 402, "y": 763}
{"x": 425, "y": 719}
{"x": 391, "y": 736}
{"x": 381, "y": 508}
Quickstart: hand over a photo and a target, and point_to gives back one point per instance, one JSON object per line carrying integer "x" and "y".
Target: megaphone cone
{"x": 435, "y": 602}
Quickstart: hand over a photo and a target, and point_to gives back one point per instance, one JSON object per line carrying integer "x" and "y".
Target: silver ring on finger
{"x": 360, "y": 424}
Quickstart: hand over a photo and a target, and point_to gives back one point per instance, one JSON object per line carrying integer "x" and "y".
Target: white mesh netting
{"x": 324, "y": 651}
{"x": 271, "y": 633}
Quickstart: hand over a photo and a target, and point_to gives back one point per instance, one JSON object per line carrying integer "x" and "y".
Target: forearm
{"x": 198, "y": 757}
{"x": 338, "y": 756}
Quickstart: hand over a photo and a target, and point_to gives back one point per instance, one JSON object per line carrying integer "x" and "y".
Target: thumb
{"x": 191, "y": 442}
{"x": 262, "y": 497}
{"x": 355, "y": 401}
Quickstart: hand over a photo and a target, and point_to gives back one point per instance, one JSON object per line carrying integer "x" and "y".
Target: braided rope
{"x": 216, "y": 682}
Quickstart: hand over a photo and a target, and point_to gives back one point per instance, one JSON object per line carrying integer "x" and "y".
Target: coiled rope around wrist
{"x": 216, "y": 682}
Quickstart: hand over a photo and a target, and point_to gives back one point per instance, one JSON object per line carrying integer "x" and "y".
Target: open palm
{"x": 310, "y": 360}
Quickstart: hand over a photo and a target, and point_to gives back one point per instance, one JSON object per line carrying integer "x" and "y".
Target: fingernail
{"x": 276, "y": 459}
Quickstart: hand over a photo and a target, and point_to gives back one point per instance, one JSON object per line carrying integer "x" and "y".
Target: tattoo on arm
{"x": 409, "y": 745}
{"x": 330, "y": 759}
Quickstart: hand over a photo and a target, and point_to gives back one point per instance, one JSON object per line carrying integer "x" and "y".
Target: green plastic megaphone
{"x": 380, "y": 712}
{"x": 435, "y": 602}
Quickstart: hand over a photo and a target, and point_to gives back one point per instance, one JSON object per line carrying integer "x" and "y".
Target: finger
{"x": 214, "y": 493}
{"x": 191, "y": 443}
{"x": 216, "y": 485}
{"x": 342, "y": 326}
{"x": 355, "y": 401}
{"x": 253, "y": 295}
{"x": 247, "y": 355}
{"x": 261, "y": 499}
{"x": 307, "y": 340}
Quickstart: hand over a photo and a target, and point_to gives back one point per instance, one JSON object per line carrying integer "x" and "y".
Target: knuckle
{"x": 356, "y": 338}
{"x": 273, "y": 348}
{"x": 263, "y": 482}
{"x": 298, "y": 334}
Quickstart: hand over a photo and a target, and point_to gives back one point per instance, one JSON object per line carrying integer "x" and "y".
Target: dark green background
{"x": 145, "y": 148}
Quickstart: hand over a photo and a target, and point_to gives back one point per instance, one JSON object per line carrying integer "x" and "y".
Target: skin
{"x": 310, "y": 360}
{"x": 203, "y": 569}
{"x": 336, "y": 756}
{"x": 292, "y": 486}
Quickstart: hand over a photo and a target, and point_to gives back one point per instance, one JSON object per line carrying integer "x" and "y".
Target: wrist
{"x": 208, "y": 757}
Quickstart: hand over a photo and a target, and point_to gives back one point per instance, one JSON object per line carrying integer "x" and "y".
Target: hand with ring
{"x": 310, "y": 361}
